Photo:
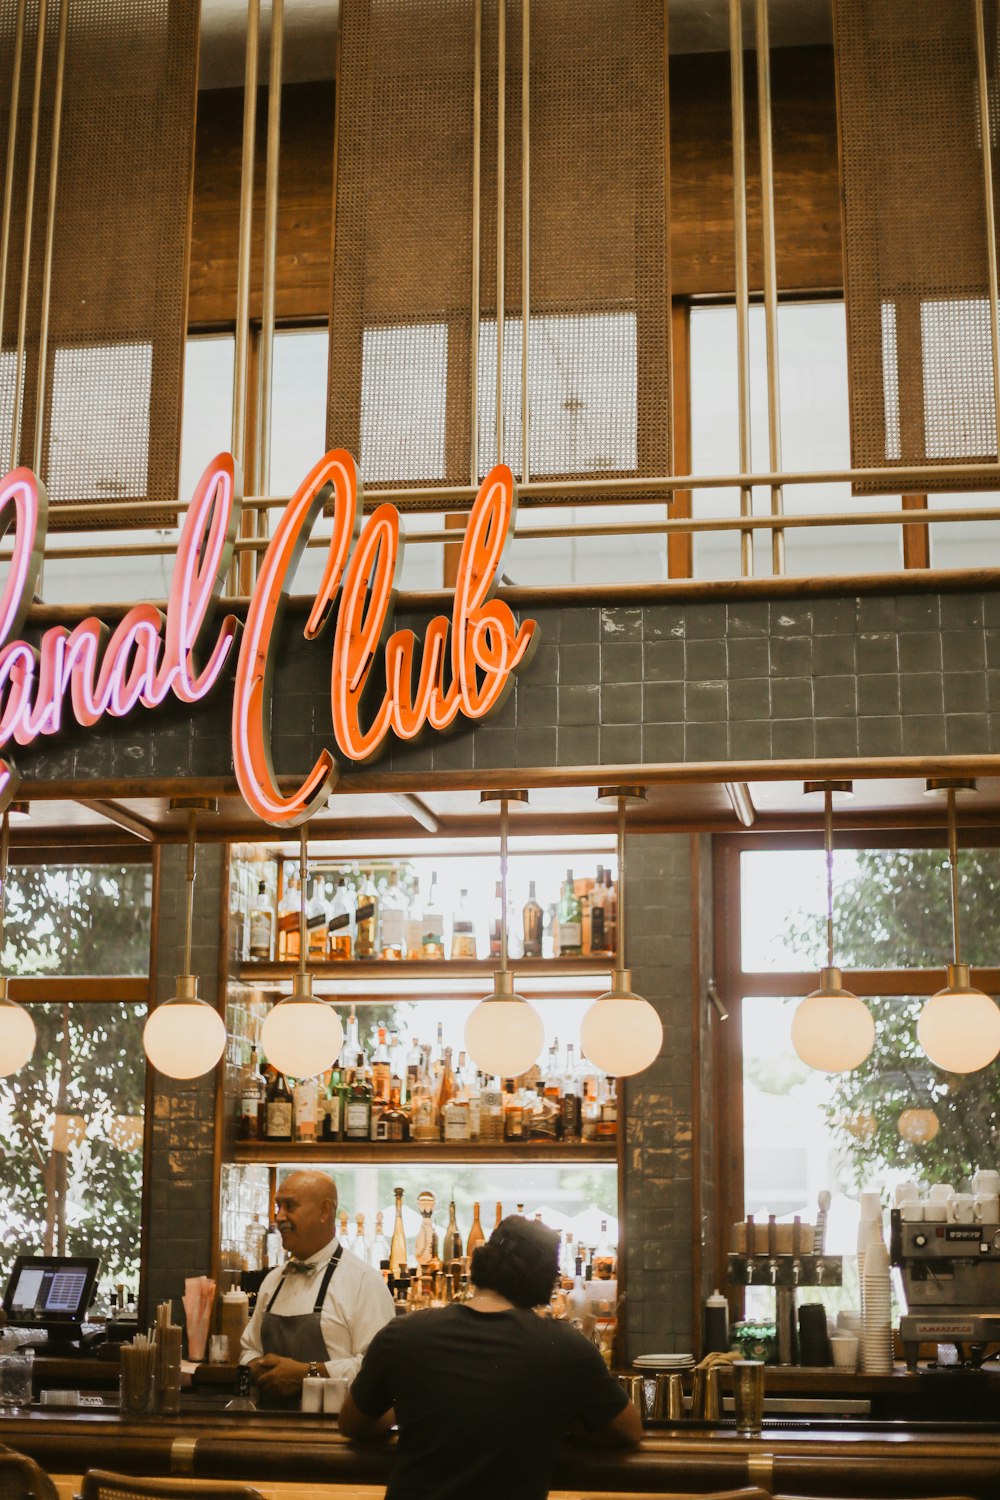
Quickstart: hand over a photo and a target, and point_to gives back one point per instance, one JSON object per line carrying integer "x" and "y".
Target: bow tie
{"x": 302, "y": 1267}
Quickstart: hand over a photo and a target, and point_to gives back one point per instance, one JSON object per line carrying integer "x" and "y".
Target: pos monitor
{"x": 50, "y": 1292}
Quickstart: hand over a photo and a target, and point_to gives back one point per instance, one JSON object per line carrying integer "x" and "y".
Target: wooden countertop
{"x": 271, "y": 1447}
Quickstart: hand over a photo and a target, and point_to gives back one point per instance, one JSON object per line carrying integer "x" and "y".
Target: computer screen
{"x": 49, "y": 1291}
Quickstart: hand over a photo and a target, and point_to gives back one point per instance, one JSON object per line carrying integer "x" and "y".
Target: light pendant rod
{"x": 620, "y": 933}
{"x": 191, "y": 862}
{"x": 4, "y": 857}
{"x": 504, "y": 813}
{"x": 303, "y": 929}
{"x": 953, "y": 861}
{"x": 828, "y": 844}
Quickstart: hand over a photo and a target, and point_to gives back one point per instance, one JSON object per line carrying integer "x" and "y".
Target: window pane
{"x": 298, "y": 407}
{"x": 207, "y": 424}
{"x": 74, "y": 919}
{"x": 71, "y": 1128}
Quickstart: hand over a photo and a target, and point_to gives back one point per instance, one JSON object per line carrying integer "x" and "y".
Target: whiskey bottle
{"x": 381, "y": 1068}
{"x": 261, "y": 925}
{"x": 358, "y": 1107}
{"x": 367, "y": 942}
{"x": 476, "y": 1235}
{"x": 532, "y": 920}
{"x": 393, "y": 1121}
{"x": 570, "y": 919}
{"x": 278, "y": 1110}
{"x": 289, "y": 920}
{"x": 253, "y": 1096}
{"x": 397, "y": 1249}
{"x": 463, "y": 930}
{"x": 513, "y": 1114}
{"x": 452, "y": 1246}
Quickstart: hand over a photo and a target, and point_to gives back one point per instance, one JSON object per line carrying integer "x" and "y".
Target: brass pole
{"x": 953, "y": 863}
{"x": 503, "y": 884}
{"x": 241, "y": 357}
{"x": 29, "y": 209}
{"x": 742, "y": 272}
{"x": 525, "y": 229}
{"x": 501, "y": 207}
{"x": 192, "y": 856}
{"x": 270, "y": 242}
{"x": 828, "y": 842}
{"x": 770, "y": 274}
{"x": 991, "y": 232}
{"x": 4, "y": 862}
{"x": 477, "y": 135}
{"x": 303, "y": 878}
{"x": 50, "y": 234}
{"x": 8, "y": 193}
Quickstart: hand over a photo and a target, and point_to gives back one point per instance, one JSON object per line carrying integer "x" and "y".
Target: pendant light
{"x": 832, "y": 1030}
{"x": 621, "y": 1032}
{"x": 185, "y": 1037}
{"x": 17, "y": 1029}
{"x": 302, "y": 1035}
{"x": 504, "y": 1034}
{"x": 959, "y": 1027}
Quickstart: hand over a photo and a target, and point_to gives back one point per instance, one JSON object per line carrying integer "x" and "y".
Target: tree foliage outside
{"x": 898, "y": 1111}
{"x": 71, "y": 1120}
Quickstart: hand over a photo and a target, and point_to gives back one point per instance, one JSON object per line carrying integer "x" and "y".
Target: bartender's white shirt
{"x": 357, "y": 1304}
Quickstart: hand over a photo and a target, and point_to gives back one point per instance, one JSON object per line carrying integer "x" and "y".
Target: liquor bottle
{"x": 379, "y": 1248}
{"x": 278, "y": 1110}
{"x": 415, "y": 926}
{"x": 542, "y": 1118}
{"x": 393, "y": 1120}
{"x": 289, "y": 920}
{"x": 607, "y": 1123}
{"x": 475, "y": 1097}
{"x": 532, "y": 920}
{"x": 253, "y": 1096}
{"x": 570, "y": 919}
{"x": 393, "y": 932}
{"x": 476, "y": 1235}
{"x": 433, "y": 926}
{"x": 414, "y": 1063}
{"x": 451, "y": 1249}
{"x": 569, "y": 1106}
{"x": 275, "y": 1253}
{"x": 598, "y": 913}
{"x": 381, "y": 1069}
{"x": 455, "y": 1124}
{"x": 605, "y": 1256}
{"x": 397, "y": 1249}
{"x": 499, "y": 1215}
{"x": 446, "y": 1089}
{"x": 463, "y": 930}
{"x": 513, "y": 1114}
{"x": 553, "y": 1076}
{"x": 306, "y": 1109}
{"x": 255, "y": 1244}
{"x": 331, "y": 1125}
{"x": 576, "y": 1301}
{"x": 610, "y": 914}
{"x": 316, "y": 923}
{"x": 422, "y": 1110}
{"x": 261, "y": 925}
{"x": 359, "y": 1245}
{"x": 352, "y": 1049}
{"x": 491, "y": 1111}
{"x": 496, "y": 922}
{"x": 344, "y": 1234}
{"x": 358, "y": 1107}
{"x": 340, "y": 923}
{"x": 367, "y": 941}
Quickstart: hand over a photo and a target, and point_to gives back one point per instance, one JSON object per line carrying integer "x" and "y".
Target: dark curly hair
{"x": 520, "y": 1260}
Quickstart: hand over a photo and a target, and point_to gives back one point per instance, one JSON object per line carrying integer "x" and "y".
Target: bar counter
{"x": 815, "y": 1460}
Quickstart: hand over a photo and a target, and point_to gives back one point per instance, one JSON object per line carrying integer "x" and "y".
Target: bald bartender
{"x": 316, "y": 1314}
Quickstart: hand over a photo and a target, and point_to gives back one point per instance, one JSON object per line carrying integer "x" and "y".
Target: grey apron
{"x": 298, "y": 1336}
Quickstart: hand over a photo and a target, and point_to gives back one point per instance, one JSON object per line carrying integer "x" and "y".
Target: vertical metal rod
{"x": 620, "y": 960}
{"x": 525, "y": 229}
{"x": 29, "y": 209}
{"x": 270, "y": 246}
{"x": 241, "y": 353}
{"x": 303, "y": 877}
{"x": 501, "y": 207}
{"x": 4, "y": 861}
{"x": 477, "y": 141}
{"x": 503, "y": 884}
{"x": 50, "y": 235}
{"x": 770, "y": 275}
{"x": 8, "y": 191}
{"x": 192, "y": 856}
{"x": 991, "y": 232}
{"x": 953, "y": 862}
{"x": 828, "y": 843}
{"x": 742, "y": 273}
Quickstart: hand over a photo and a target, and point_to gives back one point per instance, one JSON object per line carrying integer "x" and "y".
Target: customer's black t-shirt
{"x": 482, "y": 1400}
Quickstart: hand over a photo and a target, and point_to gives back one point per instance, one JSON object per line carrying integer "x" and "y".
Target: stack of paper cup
{"x": 876, "y": 1325}
{"x": 869, "y": 1235}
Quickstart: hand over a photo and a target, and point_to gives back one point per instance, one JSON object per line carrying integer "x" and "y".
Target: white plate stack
{"x": 876, "y": 1326}
{"x": 663, "y": 1361}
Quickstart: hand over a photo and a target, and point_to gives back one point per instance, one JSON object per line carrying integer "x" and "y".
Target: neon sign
{"x": 466, "y": 665}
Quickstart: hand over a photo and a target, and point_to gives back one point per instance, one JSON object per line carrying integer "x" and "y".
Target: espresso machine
{"x": 951, "y": 1281}
{"x": 785, "y": 1257}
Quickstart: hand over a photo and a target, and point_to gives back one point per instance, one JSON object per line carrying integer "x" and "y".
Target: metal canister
{"x": 668, "y": 1398}
{"x": 705, "y": 1403}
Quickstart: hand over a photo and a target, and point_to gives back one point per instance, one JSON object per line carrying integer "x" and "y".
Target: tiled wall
{"x": 179, "y": 1189}
{"x": 911, "y": 674}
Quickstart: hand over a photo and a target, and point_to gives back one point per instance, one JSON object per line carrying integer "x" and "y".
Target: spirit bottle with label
{"x": 463, "y": 930}
{"x": 261, "y": 925}
{"x": 570, "y": 919}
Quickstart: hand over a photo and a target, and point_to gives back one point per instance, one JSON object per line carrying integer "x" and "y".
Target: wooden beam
{"x": 127, "y": 821}
{"x": 418, "y": 810}
{"x": 57, "y": 988}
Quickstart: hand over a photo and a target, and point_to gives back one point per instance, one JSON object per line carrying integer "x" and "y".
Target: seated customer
{"x": 483, "y": 1391}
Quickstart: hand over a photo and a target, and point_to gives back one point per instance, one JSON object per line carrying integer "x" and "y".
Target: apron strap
{"x": 331, "y": 1266}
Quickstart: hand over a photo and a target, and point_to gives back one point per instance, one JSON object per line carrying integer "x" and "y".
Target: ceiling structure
{"x": 875, "y": 805}
{"x": 310, "y": 34}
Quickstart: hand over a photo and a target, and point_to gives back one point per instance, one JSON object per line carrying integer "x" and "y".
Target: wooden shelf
{"x": 374, "y": 1153}
{"x": 424, "y": 968}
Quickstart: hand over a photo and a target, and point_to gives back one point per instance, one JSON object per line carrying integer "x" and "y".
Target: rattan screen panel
{"x": 112, "y": 404}
{"x": 599, "y": 327}
{"x": 915, "y": 245}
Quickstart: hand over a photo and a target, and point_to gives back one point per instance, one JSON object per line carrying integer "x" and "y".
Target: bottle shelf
{"x": 425, "y": 968}
{"x": 374, "y": 1153}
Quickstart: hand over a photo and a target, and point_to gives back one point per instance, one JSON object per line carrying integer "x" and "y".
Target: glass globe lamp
{"x": 301, "y": 1035}
{"x": 832, "y": 1030}
{"x": 504, "y": 1034}
{"x": 621, "y": 1032}
{"x": 17, "y": 1034}
{"x": 184, "y": 1037}
{"x": 959, "y": 1027}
